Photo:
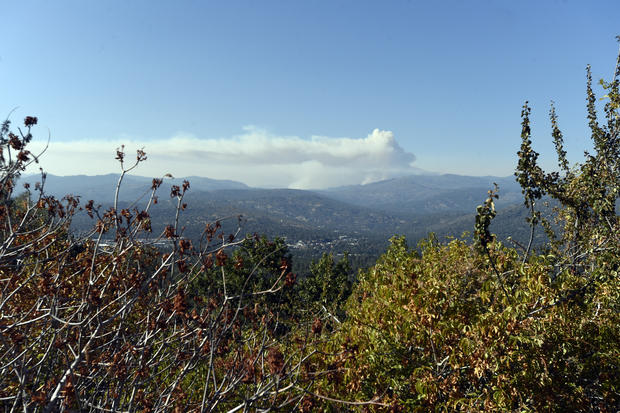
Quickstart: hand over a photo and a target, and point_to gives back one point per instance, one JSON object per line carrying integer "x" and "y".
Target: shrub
{"x": 91, "y": 326}
{"x": 483, "y": 327}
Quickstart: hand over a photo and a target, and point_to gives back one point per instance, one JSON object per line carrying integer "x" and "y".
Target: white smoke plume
{"x": 254, "y": 157}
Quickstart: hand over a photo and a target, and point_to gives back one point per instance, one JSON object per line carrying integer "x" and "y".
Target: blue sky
{"x": 301, "y": 93}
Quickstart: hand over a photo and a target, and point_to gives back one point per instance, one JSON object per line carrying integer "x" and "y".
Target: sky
{"x": 301, "y": 94}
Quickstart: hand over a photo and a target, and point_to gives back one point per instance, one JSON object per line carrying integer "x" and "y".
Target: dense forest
{"x": 104, "y": 321}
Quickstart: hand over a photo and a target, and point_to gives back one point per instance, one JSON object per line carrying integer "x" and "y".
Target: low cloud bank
{"x": 255, "y": 157}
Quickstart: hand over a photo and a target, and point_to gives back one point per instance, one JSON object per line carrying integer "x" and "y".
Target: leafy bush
{"x": 482, "y": 327}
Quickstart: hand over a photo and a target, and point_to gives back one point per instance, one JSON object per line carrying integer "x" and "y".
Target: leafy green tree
{"x": 328, "y": 285}
{"x": 587, "y": 244}
{"x": 267, "y": 262}
{"x": 257, "y": 273}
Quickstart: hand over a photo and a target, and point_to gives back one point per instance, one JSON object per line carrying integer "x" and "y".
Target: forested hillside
{"x": 357, "y": 220}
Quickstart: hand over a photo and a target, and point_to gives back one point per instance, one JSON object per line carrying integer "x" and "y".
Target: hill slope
{"x": 427, "y": 194}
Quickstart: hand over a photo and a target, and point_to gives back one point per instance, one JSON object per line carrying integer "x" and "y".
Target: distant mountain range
{"x": 427, "y": 194}
{"x": 414, "y": 194}
{"x": 357, "y": 218}
{"x": 101, "y": 187}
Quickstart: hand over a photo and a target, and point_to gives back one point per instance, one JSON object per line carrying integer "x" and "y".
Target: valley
{"x": 356, "y": 219}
